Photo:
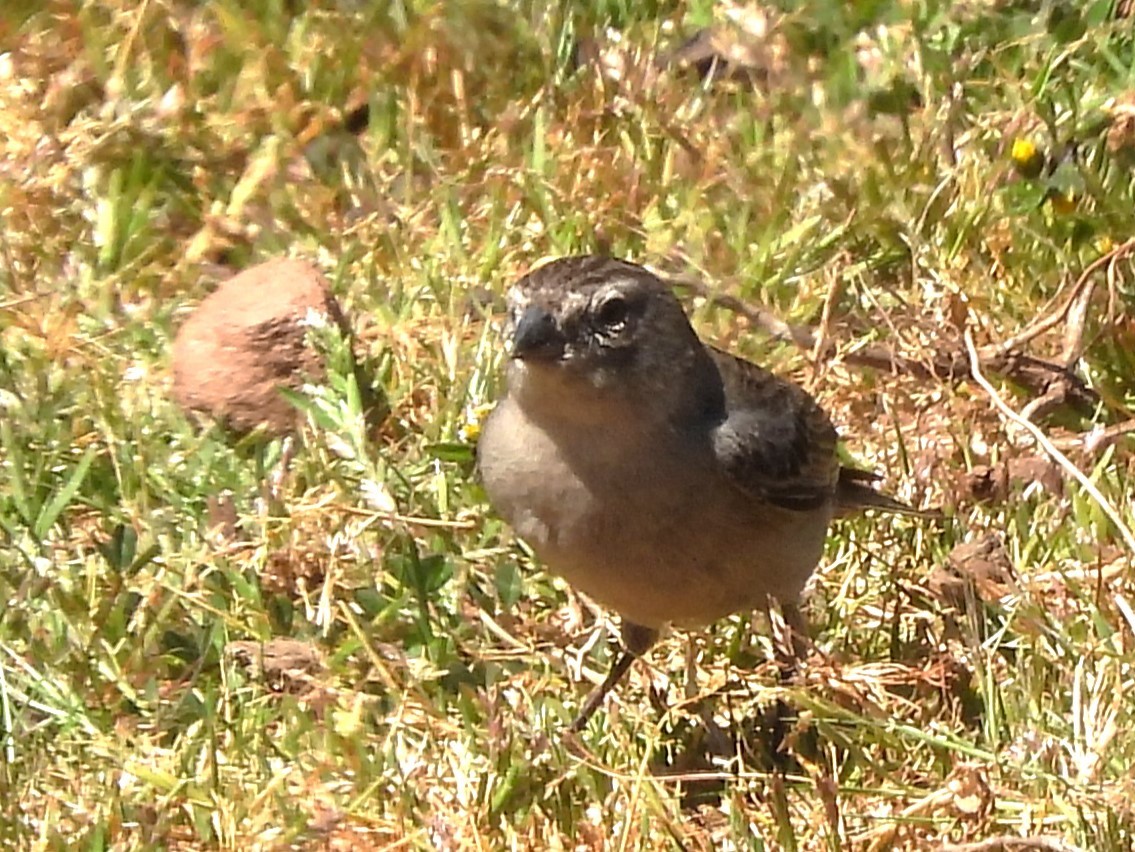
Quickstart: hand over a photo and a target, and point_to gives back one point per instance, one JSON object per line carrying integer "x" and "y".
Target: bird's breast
{"x": 644, "y": 524}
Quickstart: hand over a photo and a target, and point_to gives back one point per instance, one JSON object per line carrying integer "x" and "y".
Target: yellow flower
{"x": 1063, "y": 203}
{"x": 475, "y": 415}
{"x": 1027, "y": 157}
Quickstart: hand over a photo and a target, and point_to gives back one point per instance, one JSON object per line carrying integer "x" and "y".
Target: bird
{"x": 668, "y": 480}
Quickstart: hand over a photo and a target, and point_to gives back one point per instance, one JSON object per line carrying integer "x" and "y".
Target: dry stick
{"x": 944, "y": 365}
{"x": 1096, "y": 438}
{"x": 1125, "y": 608}
{"x": 1108, "y": 323}
{"x": 1078, "y": 307}
{"x": 882, "y": 358}
{"x": 16, "y": 301}
{"x": 804, "y": 337}
{"x": 1057, "y": 316}
{"x": 947, "y": 367}
{"x": 1112, "y": 295}
{"x": 1046, "y": 444}
{"x": 411, "y": 520}
{"x": 884, "y": 837}
{"x": 1077, "y": 312}
{"x": 823, "y": 332}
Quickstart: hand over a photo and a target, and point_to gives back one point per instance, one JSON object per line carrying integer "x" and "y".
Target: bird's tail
{"x": 854, "y": 493}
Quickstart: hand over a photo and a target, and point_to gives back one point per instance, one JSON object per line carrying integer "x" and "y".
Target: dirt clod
{"x": 980, "y": 569}
{"x": 994, "y": 483}
{"x": 287, "y": 665}
{"x": 246, "y": 340}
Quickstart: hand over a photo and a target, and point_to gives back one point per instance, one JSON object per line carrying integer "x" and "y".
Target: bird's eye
{"x": 612, "y": 313}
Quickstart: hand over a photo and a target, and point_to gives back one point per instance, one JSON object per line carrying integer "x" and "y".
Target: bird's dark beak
{"x": 537, "y": 336}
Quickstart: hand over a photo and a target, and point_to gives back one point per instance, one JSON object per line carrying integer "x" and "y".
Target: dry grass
{"x": 859, "y": 179}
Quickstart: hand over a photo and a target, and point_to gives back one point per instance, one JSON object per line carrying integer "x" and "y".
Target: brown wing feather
{"x": 776, "y": 443}
{"x": 854, "y": 493}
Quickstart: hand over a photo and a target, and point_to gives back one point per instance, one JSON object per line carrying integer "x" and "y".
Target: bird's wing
{"x": 854, "y": 493}
{"x": 774, "y": 443}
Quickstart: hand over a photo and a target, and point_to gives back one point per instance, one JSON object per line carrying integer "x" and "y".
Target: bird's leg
{"x": 636, "y": 642}
{"x": 797, "y": 630}
{"x": 790, "y": 647}
{"x": 790, "y": 637}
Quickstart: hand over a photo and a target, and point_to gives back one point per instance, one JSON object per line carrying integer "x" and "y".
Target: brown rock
{"x": 246, "y": 340}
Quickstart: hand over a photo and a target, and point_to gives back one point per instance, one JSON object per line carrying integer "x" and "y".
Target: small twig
{"x": 765, "y": 320}
{"x": 1097, "y": 439}
{"x": 1125, "y": 608}
{"x": 955, "y": 109}
{"x": 502, "y": 634}
{"x": 1055, "y": 384}
{"x": 805, "y": 337}
{"x": 1098, "y": 575}
{"x": 1046, "y": 444}
{"x": 1112, "y": 295}
{"x": 1048, "y": 401}
{"x": 884, "y": 836}
{"x": 22, "y": 300}
{"x": 1077, "y": 319}
{"x": 823, "y": 331}
{"x": 1055, "y": 317}
{"x": 410, "y": 520}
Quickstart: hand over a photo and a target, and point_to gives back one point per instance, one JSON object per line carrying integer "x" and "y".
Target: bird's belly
{"x": 644, "y": 533}
{"x": 689, "y": 568}
{"x": 650, "y": 552}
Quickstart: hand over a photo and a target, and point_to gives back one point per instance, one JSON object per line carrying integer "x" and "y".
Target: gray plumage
{"x": 668, "y": 480}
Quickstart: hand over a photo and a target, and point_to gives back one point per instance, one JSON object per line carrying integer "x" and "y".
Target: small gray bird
{"x": 666, "y": 479}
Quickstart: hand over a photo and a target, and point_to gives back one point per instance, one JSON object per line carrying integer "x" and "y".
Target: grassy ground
{"x": 895, "y": 176}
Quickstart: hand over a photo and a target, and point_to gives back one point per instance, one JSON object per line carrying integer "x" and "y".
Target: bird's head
{"x": 594, "y": 332}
